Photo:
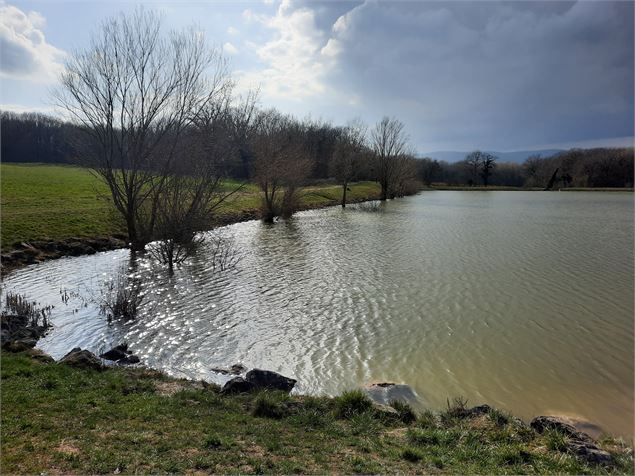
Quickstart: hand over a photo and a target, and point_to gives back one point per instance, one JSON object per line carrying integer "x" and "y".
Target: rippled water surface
{"x": 521, "y": 300}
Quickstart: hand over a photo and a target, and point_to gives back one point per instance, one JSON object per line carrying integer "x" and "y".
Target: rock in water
{"x": 266, "y": 379}
{"x": 82, "y": 359}
{"x": 579, "y": 443}
{"x": 130, "y": 359}
{"x": 386, "y": 392}
{"x": 116, "y": 353}
{"x": 237, "y": 385}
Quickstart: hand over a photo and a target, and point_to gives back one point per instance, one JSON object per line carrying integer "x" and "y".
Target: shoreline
{"x": 74, "y": 418}
{"x": 38, "y": 251}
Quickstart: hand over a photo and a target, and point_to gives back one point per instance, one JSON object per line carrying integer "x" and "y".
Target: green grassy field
{"x": 60, "y": 420}
{"x": 57, "y": 202}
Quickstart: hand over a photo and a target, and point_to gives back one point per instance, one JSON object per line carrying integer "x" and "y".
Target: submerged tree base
{"x": 56, "y": 418}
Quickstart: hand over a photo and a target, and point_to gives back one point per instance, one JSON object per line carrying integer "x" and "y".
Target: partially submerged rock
{"x": 237, "y": 385}
{"x": 266, "y": 379}
{"x": 386, "y": 392}
{"x": 257, "y": 379}
{"x": 579, "y": 443}
{"x": 82, "y": 359}
{"x": 20, "y": 331}
{"x": 236, "y": 369}
{"x": 121, "y": 355}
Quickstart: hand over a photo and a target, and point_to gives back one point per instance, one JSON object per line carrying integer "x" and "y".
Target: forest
{"x": 38, "y": 138}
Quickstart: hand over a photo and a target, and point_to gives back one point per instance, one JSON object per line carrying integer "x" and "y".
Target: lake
{"x": 522, "y": 300}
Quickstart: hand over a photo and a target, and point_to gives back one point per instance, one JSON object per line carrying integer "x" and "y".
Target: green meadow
{"x": 54, "y": 202}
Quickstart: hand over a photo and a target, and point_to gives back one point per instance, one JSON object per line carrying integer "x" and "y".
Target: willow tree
{"x": 350, "y": 152}
{"x": 281, "y": 165}
{"x": 134, "y": 92}
{"x": 389, "y": 142}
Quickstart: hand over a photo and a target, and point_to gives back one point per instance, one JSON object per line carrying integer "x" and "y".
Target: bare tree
{"x": 280, "y": 164}
{"x": 350, "y": 152}
{"x": 405, "y": 175}
{"x": 134, "y": 92}
{"x": 472, "y": 164}
{"x": 389, "y": 143}
{"x": 488, "y": 163}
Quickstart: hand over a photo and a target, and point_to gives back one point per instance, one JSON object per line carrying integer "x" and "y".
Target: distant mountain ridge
{"x": 517, "y": 156}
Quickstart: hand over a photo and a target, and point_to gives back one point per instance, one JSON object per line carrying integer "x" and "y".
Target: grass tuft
{"x": 270, "y": 405}
{"x": 406, "y": 414}
{"x": 351, "y": 403}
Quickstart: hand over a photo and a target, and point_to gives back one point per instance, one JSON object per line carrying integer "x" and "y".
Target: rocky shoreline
{"x": 20, "y": 335}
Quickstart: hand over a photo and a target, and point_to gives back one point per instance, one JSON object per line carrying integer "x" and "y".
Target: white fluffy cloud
{"x": 294, "y": 65}
{"x": 25, "y": 52}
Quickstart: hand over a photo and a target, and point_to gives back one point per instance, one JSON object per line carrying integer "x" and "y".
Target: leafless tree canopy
{"x": 281, "y": 165}
{"x": 349, "y": 155}
{"x": 135, "y": 92}
{"x": 390, "y": 142}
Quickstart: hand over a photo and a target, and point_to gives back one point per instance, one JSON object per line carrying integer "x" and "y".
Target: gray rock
{"x": 543, "y": 423}
{"x": 130, "y": 359}
{"x": 385, "y": 410}
{"x": 82, "y": 359}
{"x": 20, "y": 345}
{"x": 579, "y": 444}
{"x": 266, "y": 379}
{"x": 589, "y": 452}
{"x": 116, "y": 353}
{"x": 237, "y": 385}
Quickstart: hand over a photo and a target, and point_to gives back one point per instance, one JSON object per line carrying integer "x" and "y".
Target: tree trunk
{"x": 345, "y": 186}
{"x": 384, "y": 192}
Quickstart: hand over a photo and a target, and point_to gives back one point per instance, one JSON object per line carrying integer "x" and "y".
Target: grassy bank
{"x": 49, "y": 202}
{"x": 494, "y": 188}
{"x": 57, "y": 419}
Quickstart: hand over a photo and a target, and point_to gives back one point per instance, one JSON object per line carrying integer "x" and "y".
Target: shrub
{"x": 498, "y": 417}
{"x": 17, "y": 304}
{"x": 351, "y": 403}
{"x": 427, "y": 419}
{"x": 406, "y": 413}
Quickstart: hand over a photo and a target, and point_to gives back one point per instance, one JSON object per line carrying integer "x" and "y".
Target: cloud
{"x": 294, "y": 65}
{"x": 25, "y": 52}
{"x": 229, "y": 49}
{"x": 489, "y": 75}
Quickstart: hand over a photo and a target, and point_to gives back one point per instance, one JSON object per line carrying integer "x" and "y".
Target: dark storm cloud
{"x": 497, "y": 75}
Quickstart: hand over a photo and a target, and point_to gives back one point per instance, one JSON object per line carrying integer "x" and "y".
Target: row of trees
{"x": 157, "y": 119}
{"x": 600, "y": 167}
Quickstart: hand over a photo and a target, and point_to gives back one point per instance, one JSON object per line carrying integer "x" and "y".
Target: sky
{"x": 460, "y": 75}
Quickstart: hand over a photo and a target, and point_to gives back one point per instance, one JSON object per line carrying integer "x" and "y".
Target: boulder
{"x": 544, "y": 423}
{"x": 237, "y": 385}
{"x": 130, "y": 359}
{"x": 266, "y": 379}
{"x": 82, "y": 359}
{"x": 386, "y": 392}
{"x": 579, "y": 443}
{"x": 20, "y": 345}
{"x": 116, "y": 353}
{"x": 589, "y": 452}
{"x": 37, "y": 354}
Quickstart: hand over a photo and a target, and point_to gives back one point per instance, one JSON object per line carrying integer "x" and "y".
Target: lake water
{"x": 522, "y": 300}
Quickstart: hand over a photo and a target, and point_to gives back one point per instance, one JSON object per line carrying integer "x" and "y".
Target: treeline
{"x": 601, "y": 167}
